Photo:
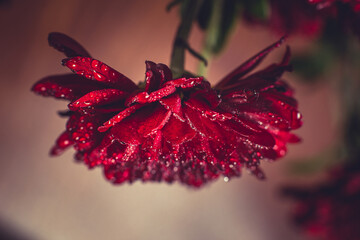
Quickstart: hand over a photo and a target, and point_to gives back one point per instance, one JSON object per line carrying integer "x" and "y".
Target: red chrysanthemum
{"x": 308, "y": 17}
{"x": 295, "y": 16}
{"x": 345, "y": 12}
{"x": 287, "y": 17}
{"x": 330, "y": 211}
{"x": 172, "y": 129}
{"x": 354, "y": 4}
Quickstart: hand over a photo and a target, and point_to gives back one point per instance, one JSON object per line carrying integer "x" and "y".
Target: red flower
{"x": 354, "y": 4}
{"x": 345, "y": 12}
{"x": 309, "y": 17}
{"x": 330, "y": 210}
{"x": 296, "y": 16}
{"x": 172, "y": 129}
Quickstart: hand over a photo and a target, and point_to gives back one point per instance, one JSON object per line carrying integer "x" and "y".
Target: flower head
{"x": 309, "y": 17}
{"x": 345, "y": 12}
{"x": 330, "y": 210}
{"x": 296, "y": 16}
{"x": 169, "y": 129}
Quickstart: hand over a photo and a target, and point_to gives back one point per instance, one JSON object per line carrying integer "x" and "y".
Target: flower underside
{"x": 172, "y": 129}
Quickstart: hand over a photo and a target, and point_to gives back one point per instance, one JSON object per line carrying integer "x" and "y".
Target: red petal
{"x": 150, "y": 120}
{"x": 152, "y": 77}
{"x": 67, "y": 86}
{"x": 63, "y": 142}
{"x": 184, "y": 82}
{"x": 249, "y": 131}
{"x": 96, "y": 70}
{"x": 206, "y": 110}
{"x": 119, "y": 117}
{"x": 209, "y": 95}
{"x": 67, "y": 45}
{"x": 261, "y": 79}
{"x": 144, "y": 97}
{"x": 203, "y": 125}
{"x": 82, "y": 130}
{"x": 177, "y": 132}
{"x": 173, "y": 104}
{"x": 96, "y": 98}
{"x": 286, "y": 108}
{"x": 165, "y": 72}
{"x": 247, "y": 66}
{"x": 126, "y": 131}
{"x": 130, "y": 153}
{"x": 156, "y": 74}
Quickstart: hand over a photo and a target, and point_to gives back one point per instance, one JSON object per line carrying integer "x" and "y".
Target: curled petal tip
{"x": 64, "y": 61}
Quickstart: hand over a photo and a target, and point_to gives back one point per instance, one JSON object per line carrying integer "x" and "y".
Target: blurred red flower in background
{"x": 169, "y": 129}
{"x": 330, "y": 210}
{"x": 309, "y": 17}
{"x": 345, "y": 12}
{"x": 296, "y": 16}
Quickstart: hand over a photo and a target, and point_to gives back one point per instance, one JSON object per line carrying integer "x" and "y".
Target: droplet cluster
{"x": 173, "y": 129}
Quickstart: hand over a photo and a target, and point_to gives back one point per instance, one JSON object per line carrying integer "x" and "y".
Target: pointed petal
{"x": 144, "y": 97}
{"x": 259, "y": 80}
{"x": 152, "y": 77}
{"x": 204, "y": 126}
{"x": 126, "y": 131}
{"x": 257, "y": 136}
{"x": 96, "y": 98}
{"x": 66, "y": 86}
{"x": 184, "y": 82}
{"x": 247, "y": 66}
{"x": 96, "y": 70}
{"x": 173, "y": 104}
{"x": 177, "y": 132}
{"x": 153, "y": 120}
{"x": 63, "y": 142}
{"x": 67, "y": 45}
{"x": 165, "y": 72}
{"x": 82, "y": 130}
{"x": 206, "y": 110}
{"x": 156, "y": 75}
{"x": 119, "y": 117}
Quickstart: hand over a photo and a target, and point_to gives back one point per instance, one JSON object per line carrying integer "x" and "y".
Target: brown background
{"x": 55, "y": 198}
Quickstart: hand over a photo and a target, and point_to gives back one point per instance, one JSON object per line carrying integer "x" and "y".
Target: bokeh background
{"x": 56, "y": 198}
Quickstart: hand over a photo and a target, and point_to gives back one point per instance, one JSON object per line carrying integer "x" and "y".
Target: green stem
{"x": 202, "y": 68}
{"x": 178, "y": 53}
{"x": 211, "y": 36}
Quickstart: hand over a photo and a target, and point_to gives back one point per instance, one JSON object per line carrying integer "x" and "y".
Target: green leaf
{"x": 204, "y": 15}
{"x": 222, "y": 21}
{"x": 258, "y": 9}
{"x": 310, "y": 66}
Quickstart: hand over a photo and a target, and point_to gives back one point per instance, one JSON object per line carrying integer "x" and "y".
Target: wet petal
{"x": 152, "y": 120}
{"x": 119, "y": 117}
{"x": 67, "y": 45}
{"x": 177, "y": 132}
{"x": 173, "y": 104}
{"x": 97, "y": 97}
{"x": 126, "y": 131}
{"x": 144, "y": 97}
{"x": 66, "y": 86}
{"x": 184, "y": 82}
{"x": 247, "y": 66}
{"x": 62, "y": 143}
{"x": 96, "y": 70}
{"x": 261, "y": 79}
{"x": 206, "y": 110}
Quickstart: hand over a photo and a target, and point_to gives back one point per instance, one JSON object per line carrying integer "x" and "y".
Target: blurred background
{"x": 56, "y": 198}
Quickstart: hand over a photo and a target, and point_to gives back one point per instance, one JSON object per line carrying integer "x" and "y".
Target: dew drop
{"x": 298, "y": 115}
